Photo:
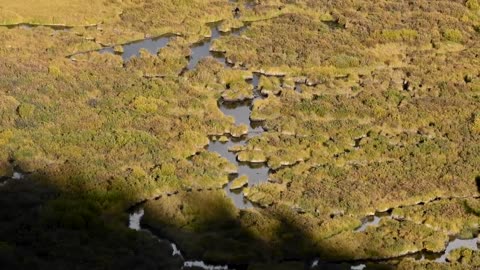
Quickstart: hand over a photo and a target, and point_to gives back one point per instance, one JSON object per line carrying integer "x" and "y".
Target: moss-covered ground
{"x": 388, "y": 118}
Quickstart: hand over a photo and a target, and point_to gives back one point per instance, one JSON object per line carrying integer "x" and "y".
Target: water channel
{"x": 257, "y": 173}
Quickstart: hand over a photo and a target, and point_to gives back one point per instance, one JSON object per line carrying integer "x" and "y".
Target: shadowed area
{"x": 45, "y": 227}
{"x": 321, "y": 113}
{"x": 477, "y": 181}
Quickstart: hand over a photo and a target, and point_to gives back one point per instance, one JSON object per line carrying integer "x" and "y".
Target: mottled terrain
{"x": 363, "y": 107}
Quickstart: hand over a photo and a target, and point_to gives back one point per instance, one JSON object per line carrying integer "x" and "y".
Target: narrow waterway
{"x": 240, "y": 111}
{"x": 28, "y": 26}
{"x": 454, "y": 242}
{"x": 373, "y": 220}
{"x": 458, "y": 243}
{"x": 152, "y": 45}
{"x": 199, "y": 50}
{"x": 257, "y": 173}
{"x": 135, "y": 224}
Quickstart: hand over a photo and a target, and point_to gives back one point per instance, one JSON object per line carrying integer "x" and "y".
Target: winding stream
{"x": 373, "y": 220}
{"x": 240, "y": 111}
{"x": 132, "y": 49}
{"x": 134, "y": 224}
{"x": 257, "y": 173}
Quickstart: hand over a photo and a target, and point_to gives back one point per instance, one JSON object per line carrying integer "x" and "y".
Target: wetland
{"x": 216, "y": 134}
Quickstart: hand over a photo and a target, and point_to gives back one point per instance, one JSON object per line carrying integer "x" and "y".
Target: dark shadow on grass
{"x": 206, "y": 226}
{"x": 44, "y": 227}
{"x": 477, "y": 181}
{"x": 52, "y": 222}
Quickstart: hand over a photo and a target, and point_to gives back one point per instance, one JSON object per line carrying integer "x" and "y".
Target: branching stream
{"x": 257, "y": 173}
{"x": 240, "y": 111}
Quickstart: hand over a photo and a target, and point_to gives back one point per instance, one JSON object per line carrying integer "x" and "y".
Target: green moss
{"x": 238, "y": 91}
{"x": 453, "y": 217}
{"x": 386, "y": 118}
{"x": 239, "y": 182}
{"x": 400, "y": 35}
{"x": 269, "y": 84}
{"x": 118, "y": 49}
{"x": 390, "y": 239}
{"x": 230, "y": 24}
{"x": 239, "y": 131}
{"x": 54, "y": 70}
{"x": 453, "y": 35}
{"x": 311, "y": 107}
{"x": 253, "y": 156}
{"x": 462, "y": 258}
{"x": 345, "y": 61}
{"x": 26, "y": 110}
{"x": 473, "y": 4}
{"x": 223, "y": 139}
{"x": 145, "y": 105}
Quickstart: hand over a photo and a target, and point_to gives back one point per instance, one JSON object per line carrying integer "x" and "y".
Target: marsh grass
{"x": 387, "y": 118}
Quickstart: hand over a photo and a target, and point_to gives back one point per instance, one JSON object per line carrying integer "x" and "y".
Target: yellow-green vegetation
{"x": 458, "y": 217}
{"x": 201, "y": 223}
{"x": 107, "y": 126}
{"x": 230, "y": 24}
{"x": 269, "y": 85}
{"x": 207, "y": 225}
{"x": 239, "y": 182}
{"x": 462, "y": 258}
{"x": 254, "y": 156}
{"x": 275, "y": 148}
{"x": 58, "y": 12}
{"x": 119, "y": 22}
{"x": 453, "y": 35}
{"x": 169, "y": 62}
{"x": 390, "y": 239}
{"x": 192, "y": 218}
{"x": 236, "y": 86}
{"x": 388, "y": 117}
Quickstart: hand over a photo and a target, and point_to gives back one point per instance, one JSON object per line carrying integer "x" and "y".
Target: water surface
{"x": 135, "y": 217}
{"x": 203, "y": 49}
{"x": 373, "y": 220}
{"x": 152, "y": 45}
{"x": 458, "y": 243}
